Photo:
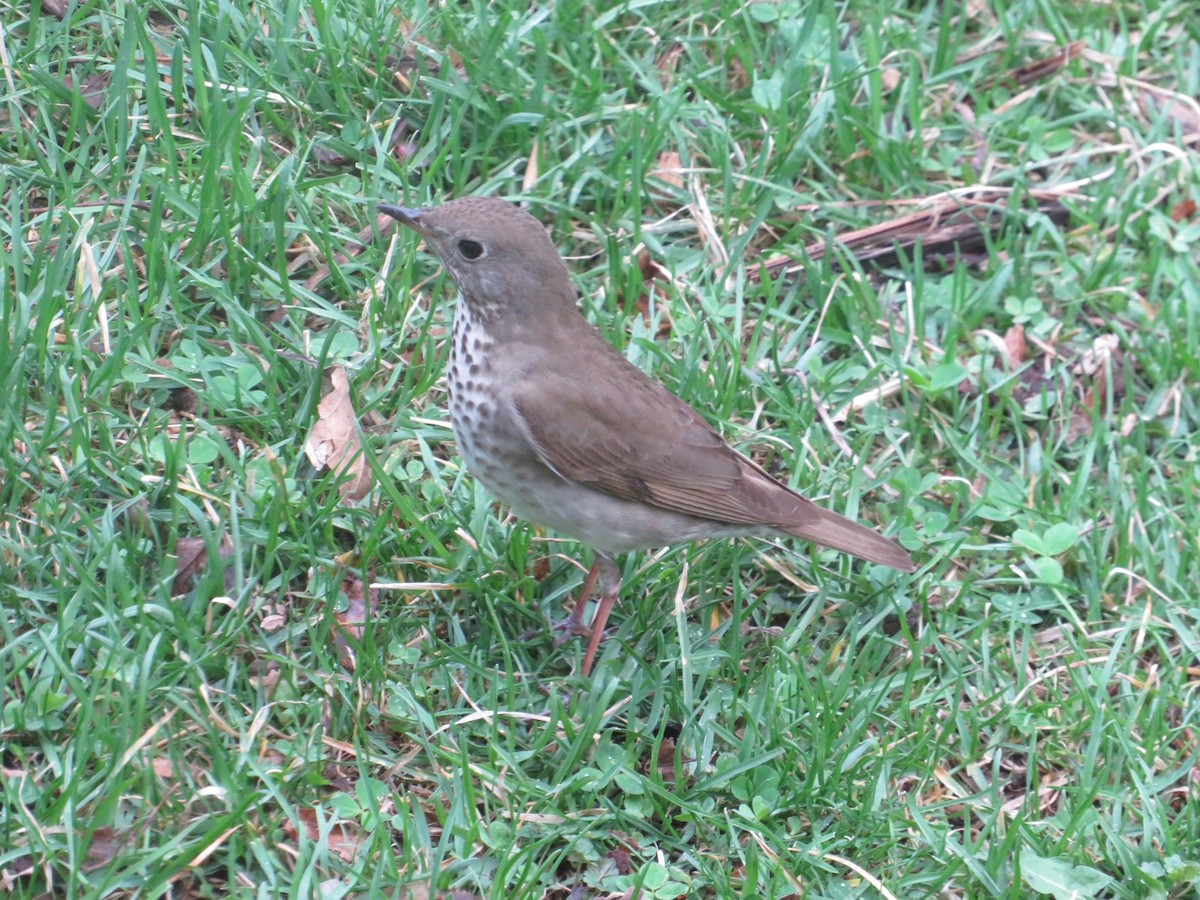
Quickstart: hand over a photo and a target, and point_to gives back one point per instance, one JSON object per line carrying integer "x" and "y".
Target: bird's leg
{"x": 573, "y": 624}
{"x": 610, "y": 586}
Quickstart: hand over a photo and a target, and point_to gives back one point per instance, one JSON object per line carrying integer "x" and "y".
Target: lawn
{"x": 935, "y": 265}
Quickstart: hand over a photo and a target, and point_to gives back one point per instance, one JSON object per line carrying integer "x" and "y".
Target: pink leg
{"x": 610, "y": 584}
{"x": 574, "y": 623}
{"x": 598, "y": 623}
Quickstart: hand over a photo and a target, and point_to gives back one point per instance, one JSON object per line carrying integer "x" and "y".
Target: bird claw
{"x": 564, "y": 629}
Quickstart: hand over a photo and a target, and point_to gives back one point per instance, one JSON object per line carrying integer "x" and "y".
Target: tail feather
{"x": 839, "y": 533}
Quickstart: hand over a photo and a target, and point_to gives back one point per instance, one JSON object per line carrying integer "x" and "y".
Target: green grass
{"x": 766, "y": 720}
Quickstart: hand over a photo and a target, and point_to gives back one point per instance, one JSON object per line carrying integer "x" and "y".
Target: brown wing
{"x": 619, "y": 432}
{"x": 627, "y": 435}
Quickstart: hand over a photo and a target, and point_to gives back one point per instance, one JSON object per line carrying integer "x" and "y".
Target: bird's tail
{"x": 831, "y": 530}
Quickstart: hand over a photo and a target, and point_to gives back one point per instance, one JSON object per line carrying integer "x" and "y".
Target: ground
{"x": 934, "y": 265}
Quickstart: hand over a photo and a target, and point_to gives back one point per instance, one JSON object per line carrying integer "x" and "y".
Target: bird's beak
{"x": 405, "y": 216}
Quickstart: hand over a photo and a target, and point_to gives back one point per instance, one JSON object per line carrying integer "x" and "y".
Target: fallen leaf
{"x": 739, "y": 78}
{"x": 334, "y": 442}
{"x": 652, "y": 271}
{"x": 532, "y": 169}
{"x": 362, "y": 607}
{"x": 669, "y": 168}
{"x": 105, "y": 845}
{"x": 342, "y": 838}
{"x": 1180, "y": 108}
{"x": 92, "y": 88}
{"x": 1014, "y": 344}
{"x": 621, "y": 859}
{"x": 1093, "y": 371}
{"x": 182, "y": 400}
{"x": 191, "y": 554}
{"x": 1185, "y": 209}
{"x": 1097, "y": 358}
{"x": 667, "y": 64}
{"x": 328, "y": 156}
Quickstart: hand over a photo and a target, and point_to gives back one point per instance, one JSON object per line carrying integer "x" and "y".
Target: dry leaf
{"x": 363, "y": 605}
{"x": 334, "y": 442}
{"x": 343, "y": 840}
{"x": 106, "y": 844}
{"x": 532, "y": 169}
{"x": 1180, "y": 108}
{"x": 1014, "y": 344}
{"x": 92, "y": 88}
{"x": 192, "y": 556}
{"x": 651, "y": 271}
{"x": 1184, "y": 210}
{"x": 739, "y": 79}
{"x": 667, "y": 64}
{"x": 621, "y": 859}
{"x": 1097, "y": 358}
{"x": 669, "y": 168}
{"x": 1093, "y": 370}
{"x": 328, "y": 156}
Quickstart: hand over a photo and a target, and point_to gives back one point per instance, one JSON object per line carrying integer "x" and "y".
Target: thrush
{"x": 561, "y": 427}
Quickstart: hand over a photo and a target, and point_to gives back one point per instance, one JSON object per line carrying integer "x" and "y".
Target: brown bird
{"x": 570, "y": 434}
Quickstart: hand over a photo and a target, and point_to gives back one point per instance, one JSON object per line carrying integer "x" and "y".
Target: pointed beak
{"x": 405, "y": 216}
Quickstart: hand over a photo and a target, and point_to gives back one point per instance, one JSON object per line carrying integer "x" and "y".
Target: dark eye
{"x": 470, "y": 249}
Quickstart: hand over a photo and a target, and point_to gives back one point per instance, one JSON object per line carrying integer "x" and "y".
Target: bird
{"x": 556, "y": 423}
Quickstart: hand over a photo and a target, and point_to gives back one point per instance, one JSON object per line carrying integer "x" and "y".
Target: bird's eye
{"x": 470, "y": 249}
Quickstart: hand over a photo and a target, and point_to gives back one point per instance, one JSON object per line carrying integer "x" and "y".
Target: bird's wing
{"x": 638, "y": 441}
{"x": 617, "y": 431}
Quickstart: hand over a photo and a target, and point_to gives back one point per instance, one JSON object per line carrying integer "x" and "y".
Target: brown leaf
{"x": 106, "y": 844}
{"x": 92, "y": 88}
{"x": 1014, "y": 344}
{"x": 651, "y": 271}
{"x": 192, "y": 556}
{"x": 334, "y": 442}
{"x": 1095, "y": 361}
{"x": 1184, "y": 210}
{"x": 667, "y": 64}
{"x": 532, "y": 169}
{"x": 343, "y": 839}
{"x": 1182, "y": 109}
{"x": 327, "y": 156}
{"x": 182, "y": 400}
{"x": 56, "y": 8}
{"x": 739, "y": 79}
{"x": 669, "y": 168}
{"x": 363, "y": 606}
{"x": 621, "y": 859}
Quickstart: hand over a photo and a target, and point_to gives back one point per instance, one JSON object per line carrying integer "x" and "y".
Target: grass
{"x": 1019, "y": 718}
